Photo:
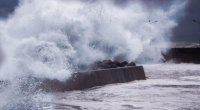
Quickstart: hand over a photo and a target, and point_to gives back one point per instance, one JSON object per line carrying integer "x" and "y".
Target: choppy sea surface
{"x": 168, "y": 87}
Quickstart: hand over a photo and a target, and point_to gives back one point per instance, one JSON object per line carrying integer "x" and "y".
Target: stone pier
{"x": 89, "y": 79}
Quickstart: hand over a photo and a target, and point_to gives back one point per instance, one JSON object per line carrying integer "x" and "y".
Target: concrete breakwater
{"x": 186, "y": 55}
{"x": 89, "y": 79}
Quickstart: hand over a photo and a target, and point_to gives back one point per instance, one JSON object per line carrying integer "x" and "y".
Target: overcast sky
{"x": 186, "y": 31}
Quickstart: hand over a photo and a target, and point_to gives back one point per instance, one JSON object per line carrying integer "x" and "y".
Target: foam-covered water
{"x": 54, "y": 38}
{"x": 169, "y": 87}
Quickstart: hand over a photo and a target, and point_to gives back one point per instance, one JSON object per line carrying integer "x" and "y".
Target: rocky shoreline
{"x": 106, "y": 64}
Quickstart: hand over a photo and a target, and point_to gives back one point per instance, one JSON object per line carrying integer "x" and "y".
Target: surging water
{"x": 54, "y": 38}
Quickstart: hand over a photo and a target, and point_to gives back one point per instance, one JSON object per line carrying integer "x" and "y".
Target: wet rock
{"x": 104, "y": 66}
{"x": 108, "y": 62}
{"x": 131, "y": 64}
{"x": 118, "y": 64}
{"x": 124, "y": 63}
{"x": 113, "y": 66}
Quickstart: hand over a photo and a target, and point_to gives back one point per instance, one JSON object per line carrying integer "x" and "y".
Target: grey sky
{"x": 7, "y": 7}
{"x": 186, "y": 31}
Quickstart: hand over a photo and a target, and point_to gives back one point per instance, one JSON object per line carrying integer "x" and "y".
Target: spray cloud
{"x": 54, "y": 38}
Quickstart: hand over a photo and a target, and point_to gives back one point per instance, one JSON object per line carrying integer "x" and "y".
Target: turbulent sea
{"x": 168, "y": 87}
{"x": 54, "y": 38}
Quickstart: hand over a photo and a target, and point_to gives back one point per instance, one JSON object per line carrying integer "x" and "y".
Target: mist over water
{"x": 54, "y": 38}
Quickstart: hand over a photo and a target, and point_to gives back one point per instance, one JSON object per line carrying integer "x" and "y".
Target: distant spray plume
{"x": 54, "y": 38}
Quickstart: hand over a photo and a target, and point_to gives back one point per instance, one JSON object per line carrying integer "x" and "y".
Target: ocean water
{"x": 55, "y": 38}
{"x": 168, "y": 87}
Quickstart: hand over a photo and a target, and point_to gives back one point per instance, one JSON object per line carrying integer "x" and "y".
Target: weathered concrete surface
{"x": 85, "y": 80}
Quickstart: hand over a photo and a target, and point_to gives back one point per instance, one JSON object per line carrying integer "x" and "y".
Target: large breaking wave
{"x": 54, "y": 38}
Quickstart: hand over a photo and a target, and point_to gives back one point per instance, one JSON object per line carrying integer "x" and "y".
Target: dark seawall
{"x": 185, "y": 55}
{"x": 85, "y": 80}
